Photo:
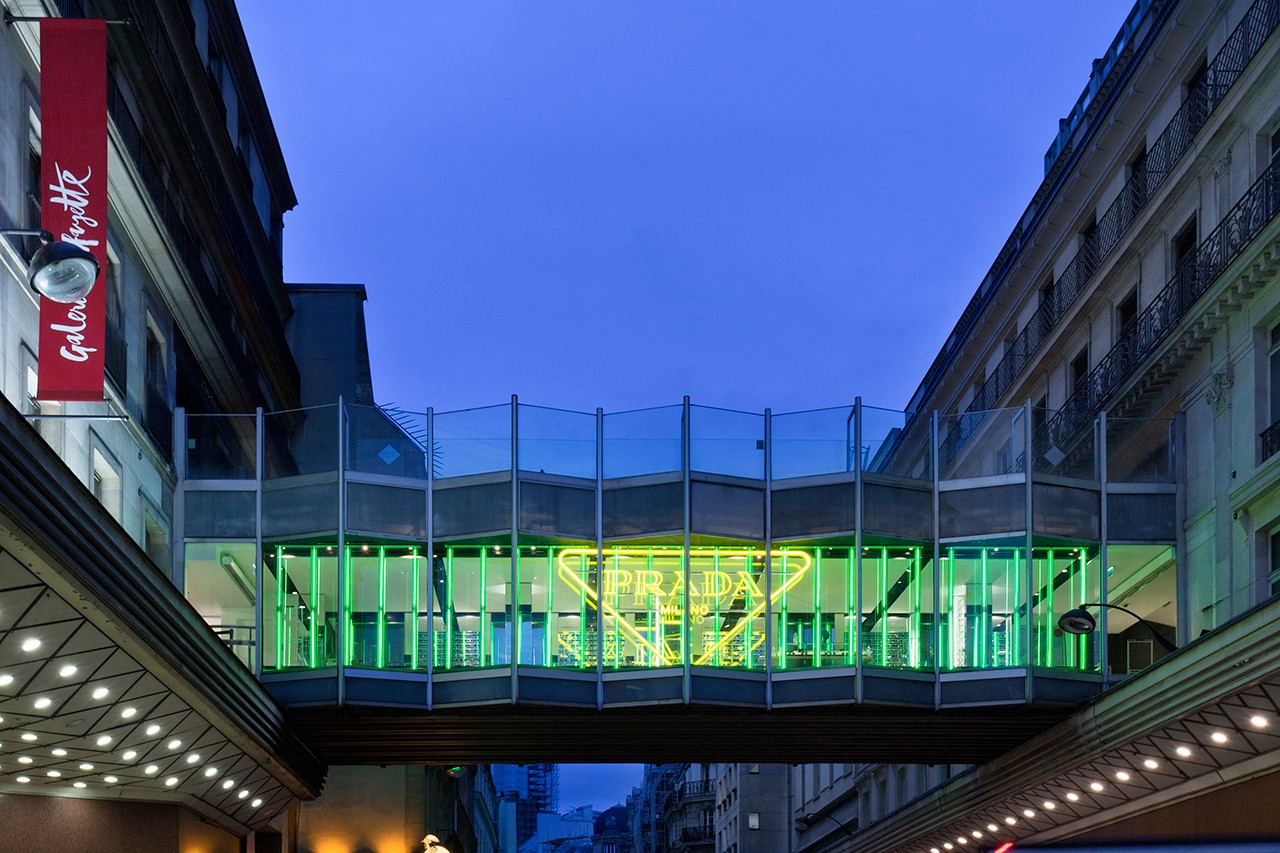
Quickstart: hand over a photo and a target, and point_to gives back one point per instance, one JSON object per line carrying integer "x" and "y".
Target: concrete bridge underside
{"x": 522, "y": 734}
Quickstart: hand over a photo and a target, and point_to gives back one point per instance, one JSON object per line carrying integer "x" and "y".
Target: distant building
{"x": 612, "y": 831}
{"x": 524, "y": 792}
{"x": 752, "y": 808}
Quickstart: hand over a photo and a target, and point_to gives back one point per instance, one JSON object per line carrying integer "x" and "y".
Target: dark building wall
{"x": 57, "y": 824}
{"x": 327, "y": 336}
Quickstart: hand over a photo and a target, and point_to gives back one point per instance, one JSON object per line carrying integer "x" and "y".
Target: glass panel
{"x": 473, "y": 441}
{"x": 811, "y": 594}
{"x": 1139, "y": 451}
{"x": 645, "y": 441}
{"x": 1143, "y": 579}
{"x": 888, "y": 448}
{"x": 302, "y": 441}
{"x": 726, "y": 442}
{"x": 981, "y": 444}
{"x": 300, "y": 607}
{"x": 816, "y": 442}
{"x": 558, "y": 621}
{"x": 727, "y": 606}
{"x": 1077, "y": 460}
{"x": 984, "y": 595}
{"x": 221, "y": 447}
{"x": 386, "y": 607}
{"x": 897, "y": 607}
{"x": 393, "y": 444}
{"x": 473, "y": 607}
{"x": 220, "y": 583}
{"x": 642, "y": 600}
{"x": 554, "y": 441}
{"x": 1065, "y": 579}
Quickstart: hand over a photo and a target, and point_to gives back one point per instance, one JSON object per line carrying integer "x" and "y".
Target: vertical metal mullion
{"x": 1029, "y": 636}
{"x": 431, "y": 557}
{"x": 769, "y": 640}
{"x": 599, "y": 505}
{"x": 343, "y": 629}
{"x": 686, "y": 634}
{"x": 937, "y": 564}
{"x": 258, "y": 469}
{"x": 1101, "y": 426}
{"x": 513, "y": 572}
{"x": 857, "y": 551}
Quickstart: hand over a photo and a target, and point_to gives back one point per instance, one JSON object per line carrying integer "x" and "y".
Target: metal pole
{"x": 599, "y": 579}
{"x": 343, "y": 628}
{"x": 514, "y": 603}
{"x": 857, "y": 550}
{"x": 768, "y": 560}
{"x": 686, "y": 634}
{"x": 431, "y": 556}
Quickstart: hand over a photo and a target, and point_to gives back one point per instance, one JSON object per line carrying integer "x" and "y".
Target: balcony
{"x": 1269, "y": 440}
{"x": 697, "y": 835}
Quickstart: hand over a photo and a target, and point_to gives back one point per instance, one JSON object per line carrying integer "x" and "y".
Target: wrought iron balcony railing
{"x": 1220, "y": 75}
{"x": 696, "y": 834}
{"x": 1269, "y": 440}
{"x": 1195, "y": 274}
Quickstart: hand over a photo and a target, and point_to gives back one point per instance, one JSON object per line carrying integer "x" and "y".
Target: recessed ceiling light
{"x": 128, "y": 713}
{"x": 151, "y": 769}
{"x": 991, "y": 827}
{"x": 948, "y": 846}
{"x": 86, "y": 766}
{"x": 43, "y": 702}
{"x": 962, "y": 839}
{"x": 1150, "y": 763}
{"x": 243, "y": 793}
{"x": 6, "y": 680}
{"x": 79, "y": 785}
{"x": 1218, "y": 737}
{"x": 171, "y": 781}
{"x": 24, "y": 779}
{"x": 1183, "y": 752}
{"x": 1050, "y": 805}
{"x": 100, "y": 693}
{"x": 68, "y": 670}
{"x": 129, "y": 754}
{"x": 54, "y": 774}
{"x": 210, "y": 772}
{"x": 228, "y": 784}
{"x": 110, "y": 780}
{"x": 58, "y": 752}
{"x": 1258, "y": 721}
{"x": 976, "y": 834}
{"x": 30, "y": 644}
{"x": 105, "y": 740}
{"x": 193, "y": 758}
{"x": 1011, "y": 820}
{"x": 29, "y": 736}
{"x": 1122, "y": 776}
{"x": 1073, "y": 796}
{"x": 153, "y": 730}
{"x": 256, "y": 802}
{"x": 1028, "y": 813}
{"x": 1096, "y": 786}
{"x": 934, "y": 850}
{"x": 175, "y": 744}
{"x": 25, "y": 759}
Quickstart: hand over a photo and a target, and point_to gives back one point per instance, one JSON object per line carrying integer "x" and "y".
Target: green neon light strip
{"x": 382, "y": 607}
{"x": 484, "y": 626}
{"x": 447, "y": 663}
{"x": 414, "y": 606}
{"x": 817, "y": 611}
{"x": 915, "y": 639}
{"x": 282, "y": 642}
{"x": 852, "y": 582}
{"x": 315, "y": 622}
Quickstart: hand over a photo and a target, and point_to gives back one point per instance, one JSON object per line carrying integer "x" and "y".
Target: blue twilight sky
{"x": 617, "y": 203}
{"x": 756, "y": 203}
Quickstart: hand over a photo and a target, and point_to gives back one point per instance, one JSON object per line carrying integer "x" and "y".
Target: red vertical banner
{"x": 73, "y": 192}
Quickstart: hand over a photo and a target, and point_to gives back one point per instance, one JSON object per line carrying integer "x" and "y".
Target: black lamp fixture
{"x": 1081, "y": 621}
{"x": 61, "y": 271}
{"x": 806, "y": 822}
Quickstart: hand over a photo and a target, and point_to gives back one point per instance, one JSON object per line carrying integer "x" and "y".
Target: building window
{"x": 1184, "y": 248}
{"x": 1271, "y": 435}
{"x": 1275, "y": 143}
{"x": 49, "y": 425}
{"x": 155, "y": 534}
{"x": 105, "y": 478}
{"x": 1078, "y": 372}
{"x": 1274, "y": 576}
{"x": 1126, "y": 313}
{"x": 753, "y": 820}
{"x": 753, "y": 768}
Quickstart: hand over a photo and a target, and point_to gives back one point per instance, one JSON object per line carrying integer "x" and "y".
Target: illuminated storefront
{"x": 498, "y": 568}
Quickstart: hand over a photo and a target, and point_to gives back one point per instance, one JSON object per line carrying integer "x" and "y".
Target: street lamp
{"x": 1081, "y": 621}
{"x": 805, "y": 823}
{"x": 58, "y": 270}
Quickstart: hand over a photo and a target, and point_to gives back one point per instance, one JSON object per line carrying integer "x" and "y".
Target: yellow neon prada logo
{"x": 710, "y": 590}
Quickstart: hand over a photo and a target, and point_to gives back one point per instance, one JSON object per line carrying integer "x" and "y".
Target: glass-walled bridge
{"x": 524, "y": 557}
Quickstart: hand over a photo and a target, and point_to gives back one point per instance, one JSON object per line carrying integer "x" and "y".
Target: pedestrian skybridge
{"x": 536, "y": 558}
